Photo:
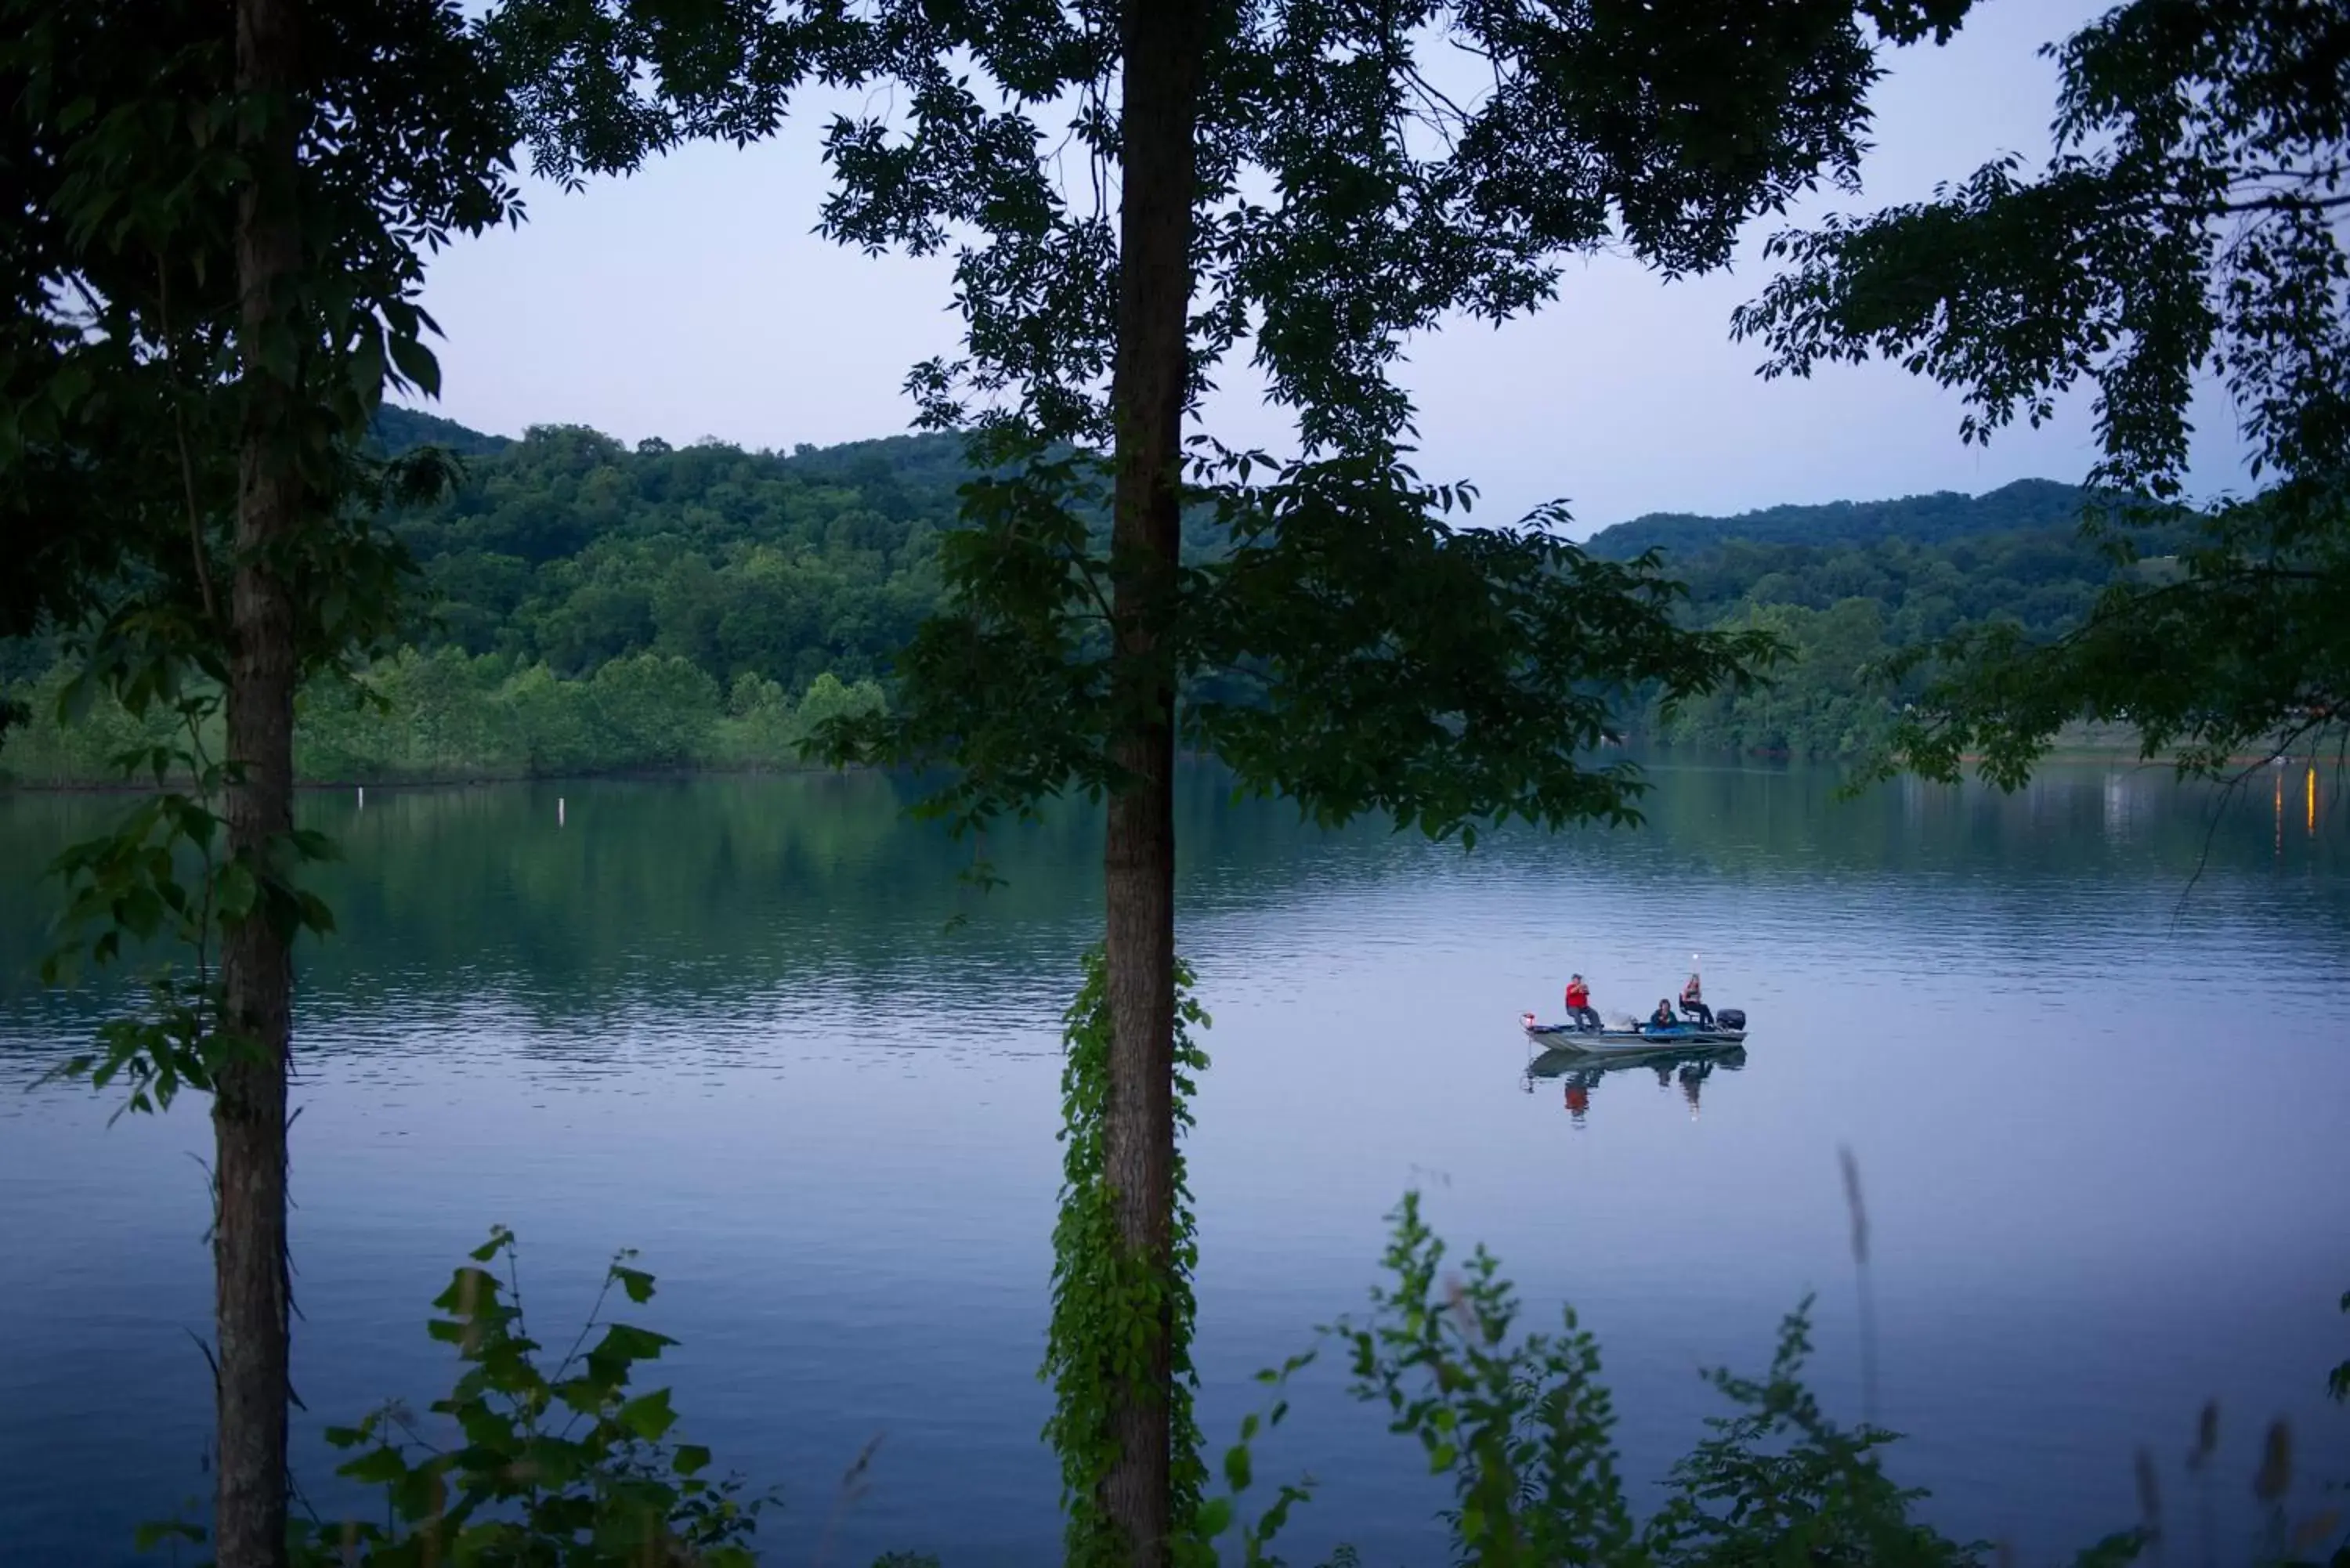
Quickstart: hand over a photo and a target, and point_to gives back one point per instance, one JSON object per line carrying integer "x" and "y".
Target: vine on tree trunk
{"x": 1109, "y": 1306}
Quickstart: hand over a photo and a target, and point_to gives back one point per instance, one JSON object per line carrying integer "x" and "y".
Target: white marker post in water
{"x": 558, "y": 811}
{"x": 362, "y": 797}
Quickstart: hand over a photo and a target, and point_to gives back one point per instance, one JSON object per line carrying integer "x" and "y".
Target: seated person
{"x": 1694, "y": 1002}
{"x": 1662, "y": 1018}
{"x": 1579, "y": 1011}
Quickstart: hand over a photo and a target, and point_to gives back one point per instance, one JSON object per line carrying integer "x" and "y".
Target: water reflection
{"x": 650, "y": 893}
{"x": 1687, "y": 1069}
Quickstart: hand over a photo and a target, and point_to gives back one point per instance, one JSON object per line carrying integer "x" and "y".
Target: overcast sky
{"x": 692, "y": 300}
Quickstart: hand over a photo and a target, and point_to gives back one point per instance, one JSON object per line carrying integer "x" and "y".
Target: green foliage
{"x": 828, "y": 702}
{"x": 537, "y": 1466}
{"x": 1820, "y": 701}
{"x": 1109, "y": 1306}
{"x": 564, "y": 1465}
{"x": 76, "y": 730}
{"x": 1347, "y": 649}
{"x": 571, "y": 1466}
{"x": 2231, "y": 653}
{"x": 1387, "y": 659}
{"x": 165, "y": 877}
{"x": 2184, "y": 229}
{"x": 129, "y": 377}
{"x": 443, "y": 716}
{"x": 2027, "y": 505}
{"x": 1780, "y": 1481}
{"x": 568, "y": 548}
{"x": 1523, "y": 1425}
{"x": 661, "y": 709}
{"x": 1855, "y": 620}
{"x": 1445, "y": 676}
{"x": 396, "y": 429}
{"x": 1743, "y": 574}
{"x": 127, "y": 136}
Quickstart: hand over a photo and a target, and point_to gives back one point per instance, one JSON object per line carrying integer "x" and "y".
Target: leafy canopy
{"x": 2185, "y": 230}
{"x": 134, "y": 378}
{"x": 1362, "y": 174}
{"x": 122, "y": 404}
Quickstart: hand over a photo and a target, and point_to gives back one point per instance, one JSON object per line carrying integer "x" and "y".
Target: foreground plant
{"x": 1109, "y": 1307}
{"x": 539, "y": 1466}
{"x": 1524, "y": 1428}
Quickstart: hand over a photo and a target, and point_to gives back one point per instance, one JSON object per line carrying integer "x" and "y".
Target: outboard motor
{"x": 1731, "y": 1018}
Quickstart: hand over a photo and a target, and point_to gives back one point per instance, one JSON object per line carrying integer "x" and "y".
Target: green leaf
{"x": 1237, "y": 1467}
{"x": 378, "y": 1467}
{"x": 416, "y": 362}
{"x": 235, "y": 891}
{"x": 648, "y": 1415}
{"x": 690, "y": 1459}
{"x": 155, "y": 1532}
{"x": 637, "y": 1283}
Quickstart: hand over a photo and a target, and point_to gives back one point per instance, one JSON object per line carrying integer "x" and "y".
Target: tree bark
{"x": 1162, "y": 49}
{"x": 251, "y": 1303}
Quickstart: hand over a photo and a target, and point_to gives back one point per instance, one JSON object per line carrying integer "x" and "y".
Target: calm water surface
{"x": 725, "y": 1023}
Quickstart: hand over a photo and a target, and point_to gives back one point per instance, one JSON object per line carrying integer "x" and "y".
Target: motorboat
{"x": 1684, "y": 1034}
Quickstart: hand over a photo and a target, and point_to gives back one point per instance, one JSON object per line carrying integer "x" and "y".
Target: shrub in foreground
{"x": 570, "y": 1467}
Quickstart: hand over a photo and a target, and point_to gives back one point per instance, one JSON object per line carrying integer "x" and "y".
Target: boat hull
{"x": 1640, "y": 1042}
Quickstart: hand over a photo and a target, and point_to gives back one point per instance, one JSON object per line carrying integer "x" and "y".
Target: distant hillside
{"x": 2028, "y": 505}
{"x": 594, "y": 604}
{"x": 397, "y": 430}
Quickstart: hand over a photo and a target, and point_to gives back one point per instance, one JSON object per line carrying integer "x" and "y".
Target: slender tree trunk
{"x": 1163, "y": 40}
{"x": 253, "y": 1309}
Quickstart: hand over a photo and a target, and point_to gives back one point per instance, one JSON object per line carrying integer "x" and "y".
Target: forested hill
{"x": 2028, "y": 505}
{"x": 567, "y": 547}
{"x": 568, "y": 550}
{"x": 597, "y": 606}
{"x": 398, "y": 430}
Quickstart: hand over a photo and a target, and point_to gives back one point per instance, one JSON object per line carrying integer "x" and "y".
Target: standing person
{"x": 1694, "y": 1002}
{"x": 1579, "y": 1011}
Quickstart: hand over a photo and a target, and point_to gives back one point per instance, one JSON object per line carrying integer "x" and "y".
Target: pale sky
{"x": 692, "y": 300}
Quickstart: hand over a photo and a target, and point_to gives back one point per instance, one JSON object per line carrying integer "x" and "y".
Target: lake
{"x": 2096, "y": 1099}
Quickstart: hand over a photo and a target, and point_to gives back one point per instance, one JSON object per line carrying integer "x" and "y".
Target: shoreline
{"x": 2076, "y": 755}
{"x": 448, "y": 781}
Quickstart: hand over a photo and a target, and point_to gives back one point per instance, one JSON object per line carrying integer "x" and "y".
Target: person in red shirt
{"x": 1579, "y": 1011}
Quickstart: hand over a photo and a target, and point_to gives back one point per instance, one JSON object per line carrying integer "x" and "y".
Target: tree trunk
{"x": 1162, "y": 47}
{"x": 251, "y": 1304}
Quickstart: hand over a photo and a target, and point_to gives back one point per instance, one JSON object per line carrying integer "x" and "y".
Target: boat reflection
{"x": 1685, "y": 1068}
